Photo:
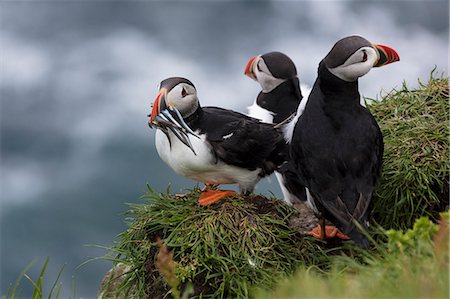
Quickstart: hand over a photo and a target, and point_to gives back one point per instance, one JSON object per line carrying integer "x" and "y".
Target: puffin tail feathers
{"x": 354, "y": 225}
{"x": 357, "y": 236}
{"x": 359, "y": 222}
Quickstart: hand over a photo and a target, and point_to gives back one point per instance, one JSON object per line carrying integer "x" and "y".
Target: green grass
{"x": 37, "y": 284}
{"x": 243, "y": 248}
{"x": 411, "y": 264}
{"x": 223, "y": 250}
{"x": 415, "y": 174}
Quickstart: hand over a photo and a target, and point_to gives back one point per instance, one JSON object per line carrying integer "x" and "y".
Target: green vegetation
{"x": 222, "y": 249}
{"x": 412, "y": 264}
{"x": 38, "y": 293}
{"x": 415, "y": 174}
{"x": 244, "y": 248}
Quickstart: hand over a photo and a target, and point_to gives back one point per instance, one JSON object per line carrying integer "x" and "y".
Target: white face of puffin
{"x": 263, "y": 76}
{"x": 357, "y": 65}
{"x": 176, "y": 100}
{"x": 183, "y": 97}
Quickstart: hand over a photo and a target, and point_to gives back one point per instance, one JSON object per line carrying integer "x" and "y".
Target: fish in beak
{"x": 168, "y": 118}
{"x": 386, "y": 55}
{"x": 250, "y": 67}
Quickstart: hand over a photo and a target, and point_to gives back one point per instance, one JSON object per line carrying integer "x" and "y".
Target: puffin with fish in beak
{"x": 210, "y": 144}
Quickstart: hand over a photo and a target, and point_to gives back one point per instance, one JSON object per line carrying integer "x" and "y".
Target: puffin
{"x": 337, "y": 145}
{"x": 280, "y": 98}
{"x": 211, "y": 144}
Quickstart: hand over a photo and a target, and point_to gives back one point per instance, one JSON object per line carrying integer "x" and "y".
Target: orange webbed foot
{"x": 330, "y": 232}
{"x": 211, "y": 196}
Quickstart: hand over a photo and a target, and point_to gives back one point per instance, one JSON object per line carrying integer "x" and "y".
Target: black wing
{"x": 241, "y": 140}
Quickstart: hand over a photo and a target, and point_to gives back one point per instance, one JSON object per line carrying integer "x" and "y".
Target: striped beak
{"x": 386, "y": 55}
{"x": 250, "y": 67}
{"x": 159, "y": 105}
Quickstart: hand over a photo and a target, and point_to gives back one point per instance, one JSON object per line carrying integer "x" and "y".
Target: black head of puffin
{"x": 270, "y": 70}
{"x": 279, "y": 65}
{"x": 177, "y": 92}
{"x": 275, "y": 64}
{"x": 354, "y": 56}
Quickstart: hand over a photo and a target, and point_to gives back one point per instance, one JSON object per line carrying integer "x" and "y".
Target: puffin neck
{"x": 194, "y": 116}
{"x": 336, "y": 87}
{"x": 271, "y": 100}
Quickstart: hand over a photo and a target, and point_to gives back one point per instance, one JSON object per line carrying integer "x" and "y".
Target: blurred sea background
{"x": 77, "y": 80}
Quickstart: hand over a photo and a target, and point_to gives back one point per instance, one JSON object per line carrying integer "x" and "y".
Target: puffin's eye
{"x": 183, "y": 92}
{"x": 364, "y": 56}
{"x": 258, "y": 67}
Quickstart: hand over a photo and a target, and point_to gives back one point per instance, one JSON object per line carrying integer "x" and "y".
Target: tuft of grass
{"x": 411, "y": 264}
{"x": 223, "y": 250}
{"x": 415, "y": 173}
{"x": 38, "y": 288}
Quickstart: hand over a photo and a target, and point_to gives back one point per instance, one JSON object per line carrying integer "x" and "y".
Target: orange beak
{"x": 158, "y": 105}
{"x": 386, "y": 55}
{"x": 249, "y": 68}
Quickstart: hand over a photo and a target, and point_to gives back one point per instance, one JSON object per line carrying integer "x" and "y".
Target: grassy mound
{"x": 244, "y": 248}
{"x": 222, "y": 250}
{"x": 415, "y": 174}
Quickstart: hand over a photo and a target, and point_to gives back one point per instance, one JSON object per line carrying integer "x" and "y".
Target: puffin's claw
{"x": 211, "y": 196}
{"x": 330, "y": 232}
